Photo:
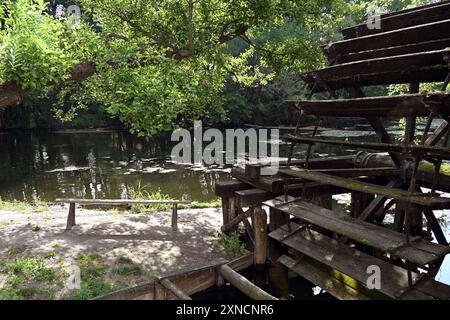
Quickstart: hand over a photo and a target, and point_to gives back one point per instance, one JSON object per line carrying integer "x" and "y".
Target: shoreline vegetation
{"x": 35, "y": 271}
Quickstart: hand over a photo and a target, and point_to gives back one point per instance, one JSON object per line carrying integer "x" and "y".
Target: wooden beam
{"x": 417, "y": 67}
{"x": 252, "y": 197}
{"x": 228, "y": 188}
{"x": 417, "y": 198}
{"x": 245, "y": 286}
{"x": 233, "y": 223}
{"x": 432, "y": 152}
{"x": 174, "y": 289}
{"x": 389, "y": 106}
{"x": 437, "y": 134}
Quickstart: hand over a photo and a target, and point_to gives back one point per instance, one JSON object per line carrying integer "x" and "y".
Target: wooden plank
{"x": 244, "y": 285}
{"x": 390, "y": 106}
{"x": 361, "y": 172}
{"x": 429, "y": 151}
{"x": 251, "y": 197}
{"x": 413, "y": 34}
{"x": 228, "y": 188}
{"x": 417, "y": 67}
{"x": 437, "y": 134}
{"x": 435, "y": 289}
{"x": 274, "y": 184}
{"x": 402, "y": 19}
{"x": 252, "y": 170}
{"x": 419, "y": 252}
{"x": 354, "y": 263}
{"x": 112, "y": 202}
{"x": 417, "y": 198}
{"x": 330, "y": 284}
{"x": 393, "y": 51}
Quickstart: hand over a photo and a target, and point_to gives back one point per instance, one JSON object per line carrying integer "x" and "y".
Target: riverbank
{"x": 112, "y": 249}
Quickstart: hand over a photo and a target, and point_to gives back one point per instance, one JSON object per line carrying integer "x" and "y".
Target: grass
{"x": 429, "y": 167}
{"x": 140, "y": 192}
{"x": 125, "y": 270}
{"x": 231, "y": 244}
{"x": 16, "y": 249}
{"x": 29, "y": 278}
{"x": 36, "y": 205}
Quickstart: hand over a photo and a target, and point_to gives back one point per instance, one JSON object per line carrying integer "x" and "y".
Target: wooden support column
{"x": 261, "y": 243}
{"x": 225, "y": 206}
{"x": 232, "y": 212}
{"x": 277, "y": 219}
{"x": 71, "y": 216}
{"x": 225, "y": 190}
{"x": 399, "y": 218}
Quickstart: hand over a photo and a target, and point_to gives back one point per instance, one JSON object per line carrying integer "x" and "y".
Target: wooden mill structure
{"x": 337, "y": 251}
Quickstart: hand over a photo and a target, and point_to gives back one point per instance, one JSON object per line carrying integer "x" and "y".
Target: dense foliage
{"x": 161, "y": 64}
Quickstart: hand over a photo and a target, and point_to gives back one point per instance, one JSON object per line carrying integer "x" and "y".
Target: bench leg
{"x": 175, "y": 217}
{"x": 71, "y": 216}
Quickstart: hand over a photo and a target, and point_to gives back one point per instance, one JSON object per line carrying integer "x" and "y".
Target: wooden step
{"x": 402, "y": 19}
{"x": 390, "y": 106}
{"x": 330, "y": 284}
{"x": 354, "y": 263}
{"x": 427, "y": 66}
{"x": 434, "y": 202}
{"x": 417, "y": 33}
{"x": 419, "y": 252}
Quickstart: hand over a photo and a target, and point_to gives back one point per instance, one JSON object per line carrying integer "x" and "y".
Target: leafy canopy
{"x": 160, "y": 64}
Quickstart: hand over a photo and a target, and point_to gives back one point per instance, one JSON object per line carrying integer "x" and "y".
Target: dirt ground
{"x": 146, "y": 239}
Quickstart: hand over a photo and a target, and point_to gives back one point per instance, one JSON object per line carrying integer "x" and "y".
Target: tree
{"x": 157, "y": 64}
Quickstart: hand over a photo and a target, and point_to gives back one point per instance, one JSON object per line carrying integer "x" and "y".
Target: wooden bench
{"x": 124, "y": 202}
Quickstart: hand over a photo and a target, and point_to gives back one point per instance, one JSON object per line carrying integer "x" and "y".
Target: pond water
{"x": 111, "y": 164}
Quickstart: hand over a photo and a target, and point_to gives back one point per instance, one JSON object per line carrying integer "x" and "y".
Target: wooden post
{"x": 260, "y": 228}
{"x": 245, "y": 286}
{"x": 225, "y": 208}
{"x": 232, "y": 212}
{"x": 175, "y": 217}
{"x": 71, "y": 216}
